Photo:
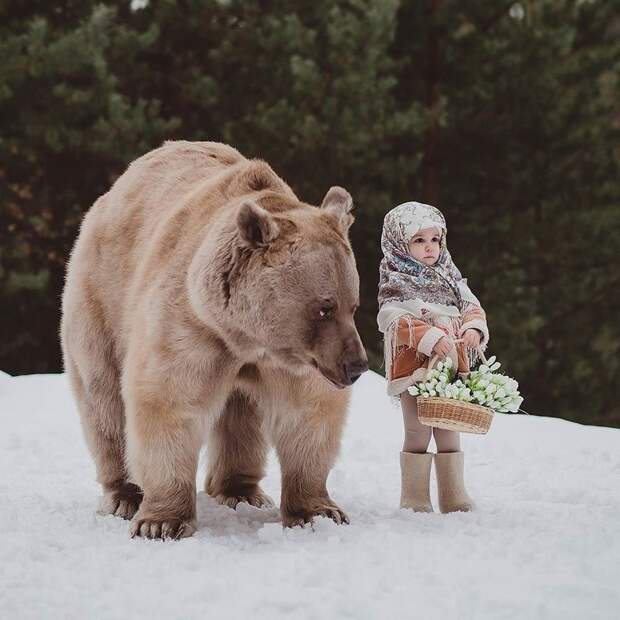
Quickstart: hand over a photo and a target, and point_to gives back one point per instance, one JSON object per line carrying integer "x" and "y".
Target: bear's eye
{"x": 326, "y": 312}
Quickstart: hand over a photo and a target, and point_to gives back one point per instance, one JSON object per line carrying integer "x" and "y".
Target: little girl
{"x": 425, "y": 307}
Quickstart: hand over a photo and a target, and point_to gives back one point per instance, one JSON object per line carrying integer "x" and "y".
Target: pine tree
{"x": 503, "y": 114}
{"x": 67, "y": 132}
{"x": 524, "y": 162}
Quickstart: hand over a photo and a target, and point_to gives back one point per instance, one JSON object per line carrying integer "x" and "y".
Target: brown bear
{"x": 205, "y": 303}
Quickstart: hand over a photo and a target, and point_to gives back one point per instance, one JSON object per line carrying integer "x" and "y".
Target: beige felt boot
{"x": 450, "y": 486}
{"x": 415, "y": 470}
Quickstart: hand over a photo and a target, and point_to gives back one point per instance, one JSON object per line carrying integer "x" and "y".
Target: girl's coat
{"x": 419, "y": 304}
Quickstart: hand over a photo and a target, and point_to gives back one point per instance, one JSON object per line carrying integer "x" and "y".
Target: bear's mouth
{"x": 325, "y": 375}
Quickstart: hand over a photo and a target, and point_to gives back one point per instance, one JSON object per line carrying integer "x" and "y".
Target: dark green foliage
{"x": 67, "y": 131}
{"x": 504, "y": 115}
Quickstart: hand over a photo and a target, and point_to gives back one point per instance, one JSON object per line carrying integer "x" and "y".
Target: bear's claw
{"x": 170, "y": 529}
{"x": 257, "y": 499}
{"x": 302, "y": 518}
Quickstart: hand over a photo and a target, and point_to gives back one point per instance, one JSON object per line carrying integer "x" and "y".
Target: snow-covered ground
{"x": 544, "y": 542}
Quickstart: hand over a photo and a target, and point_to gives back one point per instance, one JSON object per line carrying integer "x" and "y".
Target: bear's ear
{"x": 338, "y": 203}
{"x": 256, "y": 225}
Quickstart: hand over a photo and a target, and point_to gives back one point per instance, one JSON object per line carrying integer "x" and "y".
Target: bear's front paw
{"x": 161, "y": 527}
{"x": 122, "y": 501}
{"x": 256, "y": 498}
{"x": 300, "y": 517}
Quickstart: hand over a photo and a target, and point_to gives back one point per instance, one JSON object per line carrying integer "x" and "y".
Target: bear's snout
{"x": 354, "y": 369}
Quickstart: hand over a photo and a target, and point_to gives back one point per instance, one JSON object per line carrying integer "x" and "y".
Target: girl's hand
{"x": 443, "y": 346}
{"x": 471, "y": 339}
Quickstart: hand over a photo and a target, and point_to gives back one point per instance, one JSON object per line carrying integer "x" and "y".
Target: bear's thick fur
{"x": 205, "y": 303}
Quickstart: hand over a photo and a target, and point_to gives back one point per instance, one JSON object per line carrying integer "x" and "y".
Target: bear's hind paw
{"x": 257, "y": 499}
{"x": 123, "y": 501}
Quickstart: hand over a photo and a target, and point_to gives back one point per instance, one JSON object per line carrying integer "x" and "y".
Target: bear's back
{"x": 147, "y": 226}
{"x": 124, "y": 223}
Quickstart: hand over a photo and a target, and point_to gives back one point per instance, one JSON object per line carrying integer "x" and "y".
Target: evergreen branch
{"x": 496, "y": 17}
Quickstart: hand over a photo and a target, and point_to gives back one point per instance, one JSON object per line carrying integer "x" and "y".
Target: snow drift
{"x": 543, "y": 543}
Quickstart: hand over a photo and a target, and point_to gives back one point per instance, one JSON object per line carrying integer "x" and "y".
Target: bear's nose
{"x": 354, "y": 370}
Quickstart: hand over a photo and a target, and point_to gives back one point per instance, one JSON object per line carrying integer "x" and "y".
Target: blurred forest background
{"x": 505, "y": 115}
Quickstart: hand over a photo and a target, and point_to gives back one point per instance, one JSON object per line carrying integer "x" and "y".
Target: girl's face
{"x": 424, "y": 245}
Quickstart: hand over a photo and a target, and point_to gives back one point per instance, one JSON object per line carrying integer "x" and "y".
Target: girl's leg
{"x": 449, "y": 462}
{"x": 415, "y": 461}
{"x": 447, "y": 441}
{"x": 417, "y": 436}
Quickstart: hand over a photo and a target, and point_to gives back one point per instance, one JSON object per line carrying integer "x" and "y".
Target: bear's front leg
{"x": 307, "y": 447}
{"x": 237, "y": 452}
{"x": 162, "y": 452}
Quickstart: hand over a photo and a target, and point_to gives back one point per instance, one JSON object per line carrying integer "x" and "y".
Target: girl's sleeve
{"x": 474, "y": 317}
{"x": 417, "y": 335}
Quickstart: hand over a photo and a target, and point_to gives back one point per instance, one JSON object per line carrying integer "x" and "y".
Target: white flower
{"x": 483, "y": 386}
{"x": 480, "y": 397}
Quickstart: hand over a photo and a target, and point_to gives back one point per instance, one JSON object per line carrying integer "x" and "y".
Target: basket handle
{"x": 435, "y": 358}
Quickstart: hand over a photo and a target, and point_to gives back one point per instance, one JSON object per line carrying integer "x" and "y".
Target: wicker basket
{"x": 454, "y": 415}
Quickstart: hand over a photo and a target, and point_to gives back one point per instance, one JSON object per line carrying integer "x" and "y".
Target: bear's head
{"x": 280, "y": 282}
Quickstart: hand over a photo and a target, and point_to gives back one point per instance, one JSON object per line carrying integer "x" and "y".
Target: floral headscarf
{"x": 402, "y": 277}
{"x": 408, "y": 288}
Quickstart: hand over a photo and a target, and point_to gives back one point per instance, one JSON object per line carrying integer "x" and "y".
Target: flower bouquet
{"x": 465, "y": 404}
